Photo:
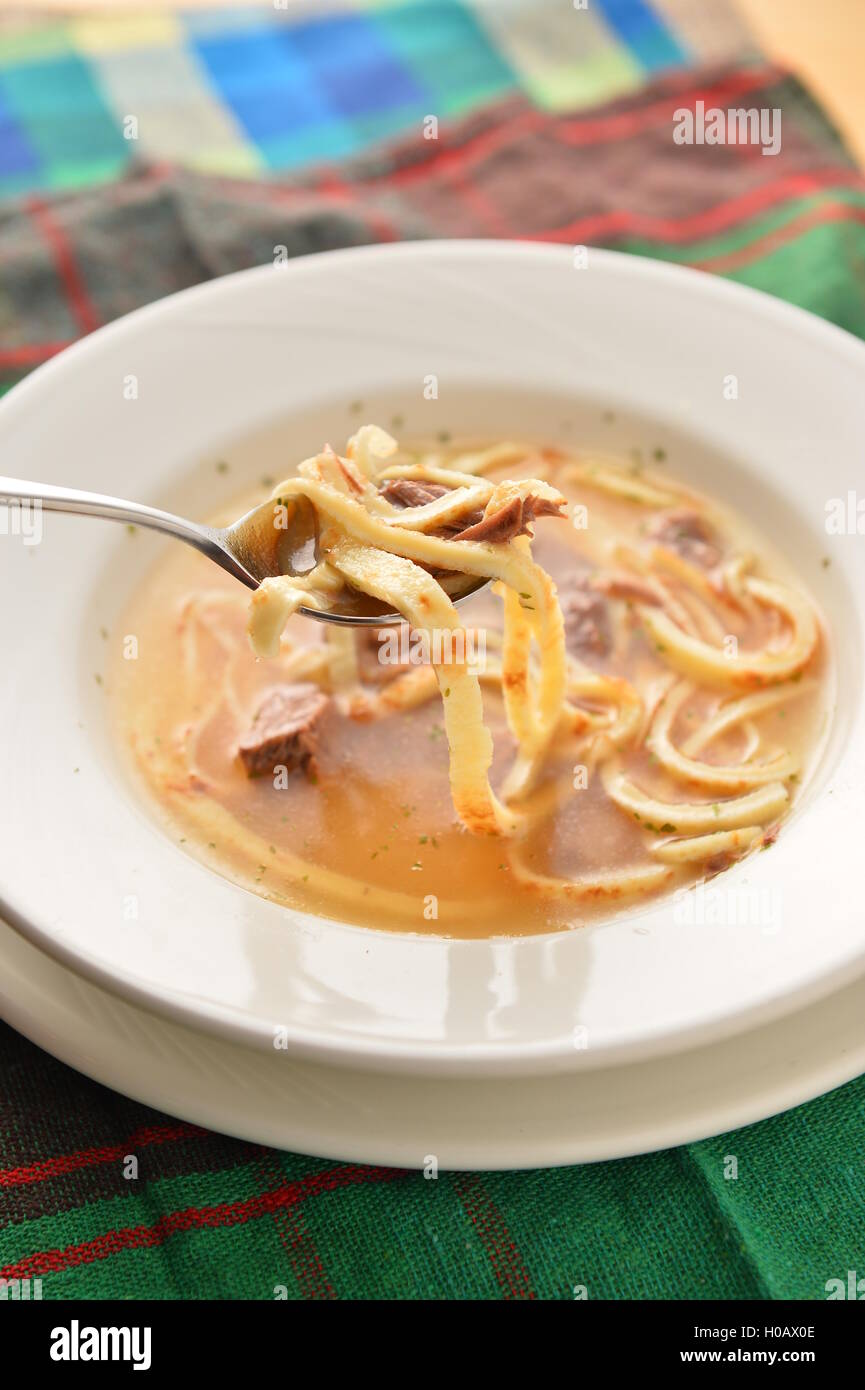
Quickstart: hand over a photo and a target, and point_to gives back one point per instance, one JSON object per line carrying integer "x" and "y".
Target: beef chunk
{"x": 411, "y": 492}
{"x": 587, "y": 623}
{"x": 513, "y": 519}
{"x": 688, "y": 533}
{"x": 284, "y": 730}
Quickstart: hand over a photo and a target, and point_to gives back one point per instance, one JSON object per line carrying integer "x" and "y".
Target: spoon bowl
{"x": 273, "y": 538}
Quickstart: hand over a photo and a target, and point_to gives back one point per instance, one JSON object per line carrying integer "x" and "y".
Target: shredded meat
{"x": 350, "y": 473}
{"x": 587, "y": 623}
{"x": 513, "y": 519}
{"x": 411, "y": 492}
{"x": 689, "y": 534}
{"x": 283, "y": 732}
{"x": 718, "y": 863}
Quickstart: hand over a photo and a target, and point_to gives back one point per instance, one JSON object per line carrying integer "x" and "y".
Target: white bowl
{"x": 466, "y": 1122}
{"x": 519, "y": 340}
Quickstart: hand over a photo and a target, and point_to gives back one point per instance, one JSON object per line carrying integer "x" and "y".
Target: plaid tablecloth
{"x": 258, "y": 89}
{"x": 210, "y": 1217}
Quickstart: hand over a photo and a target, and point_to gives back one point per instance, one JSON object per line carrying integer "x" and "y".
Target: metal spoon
{"x": 252, "y": 549}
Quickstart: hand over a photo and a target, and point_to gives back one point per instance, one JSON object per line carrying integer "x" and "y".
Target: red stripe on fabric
{"x": 31, "y": 354}
{"x": 193, "y": 1219}
{"x": 508, "y": 1268}
{"x": 86, "y": 1158}
{"x": 719, "y": 217}
{"x": 617, "y": 125}
{"x": 330, "y": 185}
{"x": 780, "y": 236}
{"x": 593, "y": 130}
{"x": 73, "y": 282}
{"x": 305, "y": 1259}
{"x": 485, "y": 210}
{"x": 295, "y": 1239}
{"x": 477, "y": 147}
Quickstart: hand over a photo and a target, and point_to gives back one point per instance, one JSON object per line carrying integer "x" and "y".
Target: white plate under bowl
{"x": 482, "y": 1123}
{"x": 516, "y": 324}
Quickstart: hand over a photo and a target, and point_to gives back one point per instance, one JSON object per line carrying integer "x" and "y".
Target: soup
{"x": 332, "y": 776}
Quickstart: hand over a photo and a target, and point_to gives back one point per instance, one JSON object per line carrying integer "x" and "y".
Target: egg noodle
{"x": 409, "y": 557}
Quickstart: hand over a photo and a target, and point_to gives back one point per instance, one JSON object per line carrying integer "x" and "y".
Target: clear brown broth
{"x": 379, "y": 811}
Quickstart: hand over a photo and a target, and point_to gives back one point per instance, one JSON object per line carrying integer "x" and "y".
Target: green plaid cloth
{"x": 214, "y": 1218}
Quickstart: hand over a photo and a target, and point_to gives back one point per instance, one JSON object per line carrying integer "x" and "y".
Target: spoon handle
{"x": 69, "y": 499}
